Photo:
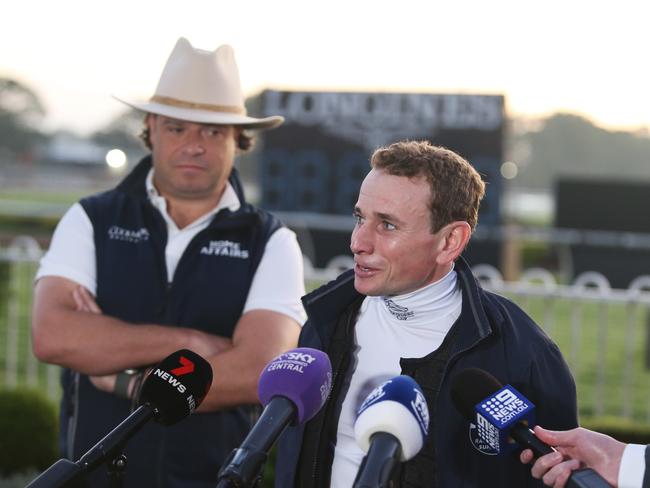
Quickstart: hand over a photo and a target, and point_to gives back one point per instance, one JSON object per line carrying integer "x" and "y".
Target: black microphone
{"x": 172, "y": 391}
{"x": 504, "y": 417}
{"x": 293, "y": 388}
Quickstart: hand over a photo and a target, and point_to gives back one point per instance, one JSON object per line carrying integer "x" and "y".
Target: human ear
{"x": 454, "y": 239}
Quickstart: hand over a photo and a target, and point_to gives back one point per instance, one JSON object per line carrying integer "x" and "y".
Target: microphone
{"x": 391, "y": 426}
{"x": 293, "y": 387}
{"x": 504, "y": 418}
{"x": 172, "y": 391}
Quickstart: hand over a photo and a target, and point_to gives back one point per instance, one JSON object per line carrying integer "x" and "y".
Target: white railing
{"x": 20, "y": 367}
{"x": 601, "y": 331}
{"x": 617, "y": 333}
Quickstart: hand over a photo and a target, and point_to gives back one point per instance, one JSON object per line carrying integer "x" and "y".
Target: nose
{"x": 194, "y": 143}
{"x": 361, "y": 241}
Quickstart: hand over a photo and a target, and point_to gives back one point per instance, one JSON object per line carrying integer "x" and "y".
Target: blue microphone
{"x": 392, "y": 425}
{"x": 498, "y": 414}
{"x": 504, "y": 418}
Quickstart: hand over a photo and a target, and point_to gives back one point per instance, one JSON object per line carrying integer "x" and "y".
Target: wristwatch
{"x": 122, "y": 382}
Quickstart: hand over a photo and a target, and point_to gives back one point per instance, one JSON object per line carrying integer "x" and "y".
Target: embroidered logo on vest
{"x": 399, "y": 312}
{"x": 225, "y": 248}
{"x": 117, "y": 233}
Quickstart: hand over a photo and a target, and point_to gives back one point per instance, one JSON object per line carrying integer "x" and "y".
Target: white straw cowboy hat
{"x": 202, "y": 86}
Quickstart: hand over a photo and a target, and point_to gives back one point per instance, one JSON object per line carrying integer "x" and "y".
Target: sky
{"x": 584, "y": 57}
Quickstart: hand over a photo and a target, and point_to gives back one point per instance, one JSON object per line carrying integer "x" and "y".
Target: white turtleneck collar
{"x": 421, "y": 307}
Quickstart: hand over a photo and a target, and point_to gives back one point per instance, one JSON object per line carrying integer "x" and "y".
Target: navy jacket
{"x": 208, "y": 292}
{"x": 492, "y": 333}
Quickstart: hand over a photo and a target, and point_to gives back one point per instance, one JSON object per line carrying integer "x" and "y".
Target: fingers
{"x": 567, "y": 438}
{"x": 221, "y": 344}
{"x": 548, "y": 436}
{"x": 84, "y": 301}
{"x": 208, "y": 345}
{"x": 545, "y": 463}
{"x": 78, "y": 300}
{"x": 559, "y": 474}
{"x": 526, "y": 456}
{"x": 551, "y": 468}
{"x": 105, "y": 382}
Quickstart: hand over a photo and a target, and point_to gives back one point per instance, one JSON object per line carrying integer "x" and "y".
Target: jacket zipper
{"x": 317, "y": 466}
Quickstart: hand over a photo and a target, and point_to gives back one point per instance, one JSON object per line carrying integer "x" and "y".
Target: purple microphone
{"x": 303, "y": 376}
{"x": 293, "y": 388}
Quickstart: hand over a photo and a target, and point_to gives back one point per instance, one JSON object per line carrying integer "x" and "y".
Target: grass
{"x": 603, "y": 344}
{"x": 19, "y": 480}
{"x": 15, "y": 318}
{"x": 27, "y": 211}
{"x": 51, "y": 196}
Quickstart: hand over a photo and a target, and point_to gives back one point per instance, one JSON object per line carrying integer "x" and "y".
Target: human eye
{"x": 358, "y": 219}
{"x": 214, "y": 131}
{"x": 175, "y": 129}
{"x": 388, "y": 225}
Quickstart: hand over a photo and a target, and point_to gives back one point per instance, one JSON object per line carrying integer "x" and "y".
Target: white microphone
{"x": 391, "y": 427}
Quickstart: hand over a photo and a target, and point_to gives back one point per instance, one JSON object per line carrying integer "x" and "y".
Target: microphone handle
{"x": 57, "y": 476}
{"x": 65, "y": 471}
{"x": 587, "y": 478}
{"x": 581, "y": 478}
{"x": 243, "y": 466}
{"x": 115, "y": 439}
{"x": 378, "y": 465}
{"x": 275, "y": 417}
{"x": 527, "y": 438}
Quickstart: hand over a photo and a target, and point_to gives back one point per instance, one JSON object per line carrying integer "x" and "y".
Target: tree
{"x": 569, "y": 145}
{"x": 21, "y": 113}
{"x": 122, "y": 132}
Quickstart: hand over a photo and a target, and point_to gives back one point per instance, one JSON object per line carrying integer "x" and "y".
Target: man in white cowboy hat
{"x": 173, "y": 257}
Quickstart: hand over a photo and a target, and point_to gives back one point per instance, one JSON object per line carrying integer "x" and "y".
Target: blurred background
{"x": 548, "y": 101}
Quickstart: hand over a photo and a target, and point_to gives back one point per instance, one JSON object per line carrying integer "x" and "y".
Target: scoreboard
{"x": 315, "y": 162}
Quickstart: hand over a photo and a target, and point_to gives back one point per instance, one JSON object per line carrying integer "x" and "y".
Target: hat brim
{"x": 205, "y": 116}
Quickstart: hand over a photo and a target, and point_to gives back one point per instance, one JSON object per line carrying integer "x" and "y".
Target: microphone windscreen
{"x": 177, "y": 385}
{"x": 396, "y": 407}
{"x": 471, "y": 386}
{"x": 303, "y": 376}
{"x": 367, "y": 387}
{"x": 497, "y": 414}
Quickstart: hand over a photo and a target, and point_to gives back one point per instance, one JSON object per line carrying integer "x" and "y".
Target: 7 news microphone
{"x": 391, "y": 426}
{"x": 173, "y": 390}
{"x": 504, "y": 418}
{"x": 293, "y": 387}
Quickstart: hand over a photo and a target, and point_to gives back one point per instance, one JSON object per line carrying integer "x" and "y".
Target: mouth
{"x": 190, "y": 166}
{"x": 364, "y": 271}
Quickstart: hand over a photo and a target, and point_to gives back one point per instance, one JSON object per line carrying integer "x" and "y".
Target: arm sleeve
{"x": 72, "y": 250}
{"x": 278, "y": 283}
{"x": 646, "y": 475}
{"x": 630, "y": 473}
{"x": 555, "y": 390}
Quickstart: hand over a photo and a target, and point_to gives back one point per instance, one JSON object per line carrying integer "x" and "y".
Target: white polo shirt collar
{"x": 228, "y": 200}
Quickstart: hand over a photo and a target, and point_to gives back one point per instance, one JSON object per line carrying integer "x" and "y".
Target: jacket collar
{"x": 325, "y": 304}
{"x": 478, "y": 315}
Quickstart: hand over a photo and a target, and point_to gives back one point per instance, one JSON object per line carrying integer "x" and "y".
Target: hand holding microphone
{"x": 391, "y": 426}
{"x": 171, "y": 392}
{"x": 292, "y": 388}
{"x": 504, "y": 418}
